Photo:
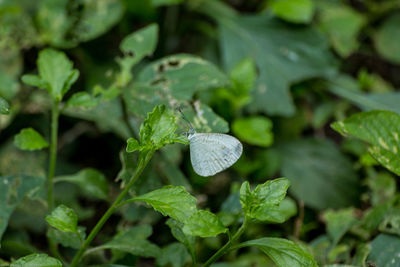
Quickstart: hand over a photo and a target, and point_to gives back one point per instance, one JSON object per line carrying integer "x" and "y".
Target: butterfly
{"x": 211, "y": 153}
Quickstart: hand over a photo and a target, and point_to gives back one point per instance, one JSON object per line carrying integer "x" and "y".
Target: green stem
{"x": 53, "y": 152}
{"x": 227, "y": 246}
{"x": 144, "y": 158}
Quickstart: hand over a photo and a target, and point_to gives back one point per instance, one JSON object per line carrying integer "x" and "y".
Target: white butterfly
{"x": 212, "y": 153}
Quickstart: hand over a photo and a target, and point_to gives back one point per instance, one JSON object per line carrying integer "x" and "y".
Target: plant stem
{"x": 53, "y": 152}
{"x": 144, "y": 158}
{"x": 227, "y": 246}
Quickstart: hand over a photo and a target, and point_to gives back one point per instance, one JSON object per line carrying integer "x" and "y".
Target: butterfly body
{"x": 211, "y": 153}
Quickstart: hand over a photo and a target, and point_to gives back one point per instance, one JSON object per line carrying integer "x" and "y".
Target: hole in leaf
{"x": 173, "y": 63}
{"x": 158, "y": 81}
{"x": 161, "y": 68}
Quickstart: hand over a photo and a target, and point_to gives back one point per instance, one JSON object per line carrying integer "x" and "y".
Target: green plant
{"x": 97, "y": 162}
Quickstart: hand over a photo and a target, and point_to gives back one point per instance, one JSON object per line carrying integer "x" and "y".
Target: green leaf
{"x": 34, "y": 80}
{"x": 132, "y": 145}
{"x": 97, "y": 18}
{"x": 141, "y": 43}
{"x": 187, "y": 240}
{"x": 82, "y": 99}
{"x": 132, "y": 241}
{"x": 204, "y": 224}
{"x": 385, "y": 251}
{"x": 156, "y": 131}
{"x": 174, "y": 254}
{"x": 9, "y": 85}
{"x": 283, "y": 55}
{"x": 64, "y": 219}
{"x": 172, "y": 81}
{"x": 338, "y": 223}
{"x": 281, "y": 213}
{"x": 348, "y": 88}
{"x": 320, "y": 174}
{"x": 342, "y": 24}
{"x": 381, "y": 129}
{"x": 165, "y": 2}
{"x": 42, "y": 260}
{"x": 29, "y": 139}
{"x": 4, "y": 106}
{"x": 108, "y": 116}
{"x": 256, "y": 130}
{"x": 387, "y": 38}
{"x": 283, "y": 252}
{"x": 243, "y": 76}
{"x": 135, "y": 47}
{"x": 362, "y": 252}
{"x": 13, "y": 189}
{"x": 265, "y": 197}
{"x": 296, "y": 11}
{"x": 67, "y": 239}
{"x": 172, "y": 201}
{"x": 204, "y": 119}
{"x": 64, "y": 26}
{"x": 91, "y": 181}
{"x": 56, "y": 71}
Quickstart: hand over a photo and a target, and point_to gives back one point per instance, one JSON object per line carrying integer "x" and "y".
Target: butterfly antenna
{"x": 185, "y": 119}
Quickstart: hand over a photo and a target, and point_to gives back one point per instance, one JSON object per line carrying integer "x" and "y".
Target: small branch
{"x": 299, "y": 220}
{"x": 53, "y": 152}
{"x": 227, "y": 246}
{"x": 144, "y": 158}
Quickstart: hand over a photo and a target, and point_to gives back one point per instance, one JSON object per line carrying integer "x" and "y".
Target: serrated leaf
{"x": 385, "y": 251}
{"x": 56, "y": 72}
{"x": 42, "y": 260}
{"x": 204, "y": 224}
{"x": 256, "y": 203}
{"x": 4, "y": 106}
{"x": 156, "y": 131}
{"x": 132, "y": 241}
{"x": 64, "y": 219}
{"x": 381, "y": 129}
{"x": 281, "y": 213}
{"x": 132, "y": 145}
{"x": 296, "y": 11}
{"x": 172, "y": 201}
{"x": 255, "y": 130}
{"x": 388, "y": 37}
{"x": 29, "y": 139}
{"x": 283, "y": 55}
{"x": 13, "y": 188}
{"x": 320, "y": 174}
{"x": 283, "y": 252}
{"x": 90, "y": 181}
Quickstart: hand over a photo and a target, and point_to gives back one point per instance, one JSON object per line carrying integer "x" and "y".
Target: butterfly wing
{"x": 211, "y": 153}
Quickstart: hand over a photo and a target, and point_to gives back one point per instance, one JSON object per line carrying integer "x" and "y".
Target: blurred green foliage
{"x": 274, "y": 73}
